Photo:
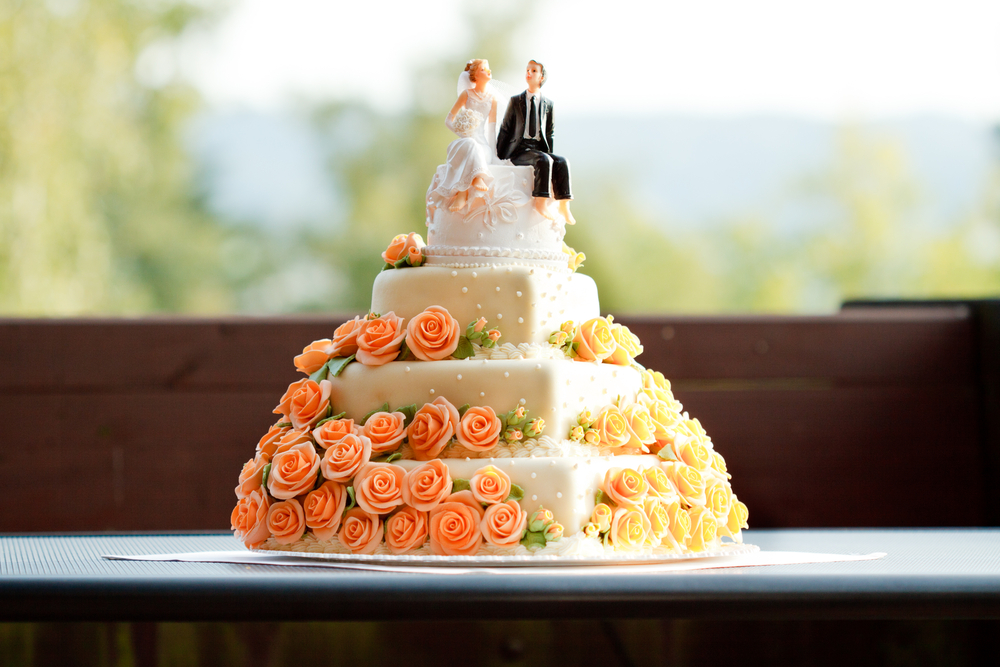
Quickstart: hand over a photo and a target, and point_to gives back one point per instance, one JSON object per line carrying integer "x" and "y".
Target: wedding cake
{"x": 484, "y": 407}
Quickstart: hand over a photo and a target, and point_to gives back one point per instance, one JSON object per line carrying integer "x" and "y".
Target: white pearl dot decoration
{"x": 522, "y": 401}
{"x": 531, "y": 272}
{"x": 520, "y": 235}
{"x": 454, "y": 274}
{"x": 475, "y": 275}
{"x": 482, "y": 394}
{"x": 407, "y": 369}
{"x": 432, "y": 391}
{"x": 468, "y": 458}
{"x": 576, "y": 466}
{"x": 479, "y": 306}
{"x": 518, "y": 293}
{"x": 465, "y": 290}
{"x": 498, "y": 288}
{"x": 538, "y": 367}
{"x": 534, "y": 497}
{"x": 558, "y": 494}
{"x": 520, "y": 320}
{"x": 534, "y": 475}
{"x": 480, "y": 235}
{"x": 506, "y": 374}
{"x": 499, "y": 316}
{"x": 459, "y": 376}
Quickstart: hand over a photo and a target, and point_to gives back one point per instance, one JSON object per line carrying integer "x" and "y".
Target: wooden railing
{"x": 875, "y": 416}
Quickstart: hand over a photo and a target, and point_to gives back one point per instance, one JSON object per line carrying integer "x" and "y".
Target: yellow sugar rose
{"x": 679, "y": 531}
{"x": 601, "y": 517}
{"x": 640, "y": 426}
{"x": 687, "y": 480}
{"x": 612, "y": 427}
{"x": 719, "y": 499}
{"x": 719, "y": 465}
{"x": 703, "y": 529}
{"x": 692, "y": 452}
{"x": 659, "y": 484}
{"x": 738, "y": 515}
{"x": 658, "y": 387}
{"x": 629, "y": 529}
{"x": 659, "y": 521}
{"x": 625, "y": 486}
{"x": 628, "y": 346}
{"x": 595, "y": 340}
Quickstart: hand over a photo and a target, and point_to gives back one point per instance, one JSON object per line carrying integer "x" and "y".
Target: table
{"x": 928, "y": 574}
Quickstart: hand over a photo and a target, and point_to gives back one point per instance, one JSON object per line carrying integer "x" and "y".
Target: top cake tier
{"x": 499, "y": 226}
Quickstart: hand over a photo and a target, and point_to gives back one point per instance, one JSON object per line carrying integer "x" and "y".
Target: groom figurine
{"x": 525, "y": 138}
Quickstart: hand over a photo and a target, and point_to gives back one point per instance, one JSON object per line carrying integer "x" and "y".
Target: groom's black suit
{"x": 511, "y": 145}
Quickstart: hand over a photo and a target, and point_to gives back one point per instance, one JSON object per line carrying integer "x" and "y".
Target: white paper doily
{"x": 624, "y": 558}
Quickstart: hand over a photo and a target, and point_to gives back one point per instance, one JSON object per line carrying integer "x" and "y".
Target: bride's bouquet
{"x": 466, "y": 122}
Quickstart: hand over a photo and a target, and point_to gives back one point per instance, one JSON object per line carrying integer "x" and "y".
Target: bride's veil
{"x": 500, "y": 90}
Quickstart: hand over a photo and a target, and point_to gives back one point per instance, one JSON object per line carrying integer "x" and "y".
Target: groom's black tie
{"x": 532, "y": 123}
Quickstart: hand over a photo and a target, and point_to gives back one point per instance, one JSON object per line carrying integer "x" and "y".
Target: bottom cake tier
{"x": 588, "y": 506}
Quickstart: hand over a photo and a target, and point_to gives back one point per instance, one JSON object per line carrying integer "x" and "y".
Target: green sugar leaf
{"x": 533, "y": 540}
{"x": 464, "y": 349}
{"x": 460, "y": 485}
{"x": 320, "y": 375}
{"x": 667, "y": 453}
{"x": 387, "y": 267}
{"x": 409, "y": 411}
{"x": 462, "y": 410}
{"x": 601, "y": 497}
{"x": 401, "y": 262}
{"x": 351, "y": 503}
{"x": 338, "y": 364}
{"x": 392, "y": 457}
{"x": 267, "y": 473}
{"x": 516, "y": 493}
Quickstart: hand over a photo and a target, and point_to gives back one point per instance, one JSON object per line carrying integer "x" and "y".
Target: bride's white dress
{"x": 468, "y": 157}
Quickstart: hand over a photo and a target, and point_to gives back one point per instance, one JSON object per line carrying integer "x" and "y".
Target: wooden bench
{"x": 880, "y": 415}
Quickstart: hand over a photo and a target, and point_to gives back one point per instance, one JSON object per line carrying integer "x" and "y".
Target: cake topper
{"x": 526, "y": 139}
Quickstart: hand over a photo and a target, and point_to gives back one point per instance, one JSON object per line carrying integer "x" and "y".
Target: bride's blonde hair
{"x": 472, "y": 66}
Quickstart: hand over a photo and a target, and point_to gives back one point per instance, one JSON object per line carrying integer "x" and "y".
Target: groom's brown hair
{"x": 542, "y": 83}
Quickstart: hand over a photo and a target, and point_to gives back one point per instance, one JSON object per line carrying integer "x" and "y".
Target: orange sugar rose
{"x": 379, "y": 339}
{"x": 630, "y": 528}
{"x": 378, "y": 487}
{"x": 293, "y": 472}
{"x": 455, "y": 525}
{"x": 345, "y": 339}
{"x": 595, "y": 340}
{"x": 361, "y": 532}
{"x": 251, "y": 476}
{"x": 433, "y": 334}
{"x": 291, "y": 438}
{"x": 331, "y": 432}
{"x": 426, "y": 486}
{"x": 285, "y": 404}
{"x": 324, "y": 508}
{"x": 343, "y": 459}
{"x": 479, "y": 429}
{"x": 313, "y": 356}
{"x": 432, "y": 428}
{"x": 286, "y": 521}
{"x": 386, "y": 430}
{"x": 406, "y": 530}
{"x": 504, "y": 524}
{"x": 626, "y": 487}
{"x": 612, "y": 427}
{"x": 693, "y": 452}
{"x": 310, "y": 404}
{"x": 659, "y": 484}
{"x": 249, "y": 519}
{"x": 404, "y": 245}
{"x": 490, "y": 485}
{"x": 269, "y": 443}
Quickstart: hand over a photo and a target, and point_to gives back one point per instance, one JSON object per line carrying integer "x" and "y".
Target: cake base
{"x": 576, "y": 550}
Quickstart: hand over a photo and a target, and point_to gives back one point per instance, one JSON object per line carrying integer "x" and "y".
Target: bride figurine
{"x": 473, "y": 119}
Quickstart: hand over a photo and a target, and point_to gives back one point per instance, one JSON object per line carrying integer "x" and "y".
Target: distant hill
{"x": 268, "y": 169}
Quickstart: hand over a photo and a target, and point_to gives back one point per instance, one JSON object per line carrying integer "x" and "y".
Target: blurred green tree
{"x": 96, "y": 207}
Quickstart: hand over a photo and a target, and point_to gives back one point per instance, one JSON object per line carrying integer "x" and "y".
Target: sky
{"x": 816, "y": 59}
